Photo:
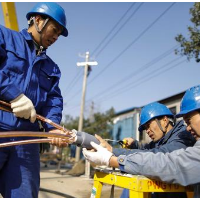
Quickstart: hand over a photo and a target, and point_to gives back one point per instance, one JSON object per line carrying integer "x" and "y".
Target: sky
{"x": 133, "y": 44}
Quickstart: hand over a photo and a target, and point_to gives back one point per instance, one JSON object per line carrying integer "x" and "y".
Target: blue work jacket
{"x": 178, "y": 167}
{"x": 178, "y": 137}
{"x": 36, "y": 76}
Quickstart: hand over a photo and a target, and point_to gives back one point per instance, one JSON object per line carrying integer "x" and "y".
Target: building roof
{"x": 173, "y": 97}
{"x": 126, "y": 110}
{"x": 163, "y": 101}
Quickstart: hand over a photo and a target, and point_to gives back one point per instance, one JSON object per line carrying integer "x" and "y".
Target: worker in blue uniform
{"x": 158, "y": 122}
{"x": 181, "y": 166}
{"x": 29, "y": 80}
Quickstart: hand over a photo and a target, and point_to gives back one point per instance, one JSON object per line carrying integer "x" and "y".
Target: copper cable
{"x": 67, "y": 134}
{"x": 33, "y": 134}
{"x": 10, "y": 134}
{"x": 33, "y": 141}
{"x": 7, "y": 107}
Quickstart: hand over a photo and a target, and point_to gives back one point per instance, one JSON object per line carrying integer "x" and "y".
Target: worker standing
{"x": 29, "y": 80}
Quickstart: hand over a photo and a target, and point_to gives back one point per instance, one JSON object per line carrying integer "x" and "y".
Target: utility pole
{"x": 91, "y": 116}
{"x": 80, "y": 126}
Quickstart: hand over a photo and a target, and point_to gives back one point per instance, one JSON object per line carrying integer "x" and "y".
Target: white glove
{"x": 100, "y": 157}
{"x": 23, "y": 107}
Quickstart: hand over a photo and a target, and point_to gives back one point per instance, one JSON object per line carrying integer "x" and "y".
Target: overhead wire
{"x": 140, "y": 82}
{"x": 109, "y": 33}
{"x": 145, "y": 79}
{"x": 124, "y": 88}
{"x": 136, "y": 72}
{"x": 72, "y": 83}
{"x": 77, "y": 76}
{"x": 120, "y": 28}
{"x": 133, "y": 42}
{"x": 122, "y": 52}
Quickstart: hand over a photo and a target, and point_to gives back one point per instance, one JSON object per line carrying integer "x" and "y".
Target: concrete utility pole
{"x": 80, "y": 126}
{"x": 91, "y": 116}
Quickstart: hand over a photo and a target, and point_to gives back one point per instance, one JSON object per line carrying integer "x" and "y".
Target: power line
{"x": 113, "y": 28}
{"x": 110, "y": 33}
{"x": 124, "y": 88}
{"x": 73, "y": 83}
{"x": 133, "y": 42}
{"x": 120, "y": 28}
{"x": 122, "y": 52}
{"x": 143, "y": 81}
{"x": 139, "y": 80}
{"x": 146, "y": 66}
{"x": 139, "y": 83}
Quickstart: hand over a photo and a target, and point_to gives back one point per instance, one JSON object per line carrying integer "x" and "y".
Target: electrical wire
{"x": 133, "y": 42}
{"x": 109, "y": 33}
{"x": 120, "y": 28}
{"x": 134, "y": 73}
{"x": 73, "y": 83}
{"x": 123, "y": 51}
{"x": 133, "y": 86}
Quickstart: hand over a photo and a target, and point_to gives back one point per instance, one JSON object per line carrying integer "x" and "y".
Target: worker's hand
{"x": 128, "y": 142}
{"x": 23, "y": 107}
{"x": 100, "y": 157}
{"x": 59, "y": 142}
{"x": 103, "y": 143}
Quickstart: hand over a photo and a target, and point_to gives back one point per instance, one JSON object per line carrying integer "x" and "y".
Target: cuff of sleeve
{"x": 121, "y": 159}
{"x": 48, "y": 127}
{"x": 121, "y": 167}
{"x": 11, "y": 93}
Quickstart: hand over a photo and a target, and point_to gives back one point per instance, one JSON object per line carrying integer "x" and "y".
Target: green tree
{"x": 70, "y": 122}
{"x": 191, "y": 47}
{"x": 102, "y": 124}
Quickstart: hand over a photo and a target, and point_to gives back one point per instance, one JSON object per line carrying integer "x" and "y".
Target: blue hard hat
{"x": 52, "y": 10}
{"x": 190, "y": 101}
{"x": 151, "y": 111}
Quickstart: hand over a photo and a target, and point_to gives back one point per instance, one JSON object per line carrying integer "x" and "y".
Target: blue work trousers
{"x": 19, "y": 170}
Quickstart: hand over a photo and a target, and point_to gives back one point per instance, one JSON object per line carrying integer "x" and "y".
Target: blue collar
{"x": 26, "y": 34}
{"x": 28, "y": 37}
{"x": 177, "y": 126}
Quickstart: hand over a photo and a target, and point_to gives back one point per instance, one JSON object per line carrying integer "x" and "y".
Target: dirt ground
{"x": 62, "y": 185}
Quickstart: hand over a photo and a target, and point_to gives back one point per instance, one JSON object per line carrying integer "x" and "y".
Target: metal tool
{"x": 123, "y": 143}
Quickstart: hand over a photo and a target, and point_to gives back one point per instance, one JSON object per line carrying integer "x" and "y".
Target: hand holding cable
{"x": 59, "y": 142}
{"x": 23, "y": 107}
{"x": 64, "y": 136}
{"x": 100, "y": 157}
{"x": 103, "y": 143}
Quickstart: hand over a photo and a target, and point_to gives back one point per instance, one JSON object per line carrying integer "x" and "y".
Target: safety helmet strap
{"x": 161, "y": 128}
{"x": 39, "y": 31}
